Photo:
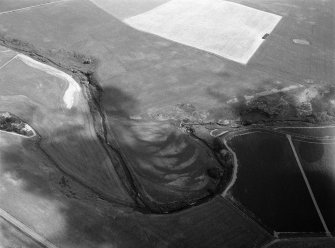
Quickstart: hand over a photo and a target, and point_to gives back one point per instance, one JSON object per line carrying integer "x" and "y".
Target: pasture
{"x": 227, "y": 29}
{"x": 51, "y": 97}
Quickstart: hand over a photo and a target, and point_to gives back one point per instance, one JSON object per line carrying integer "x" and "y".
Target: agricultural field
{"x": 222, "y": 221}
{"x": 318, "y": 159}
{"x": 129, "y": 123}
{"x": 270, "y": 185}
{"x": 53, "y": 205}
{"x": 196, "y": 24}
{"x": 42, "y": 90}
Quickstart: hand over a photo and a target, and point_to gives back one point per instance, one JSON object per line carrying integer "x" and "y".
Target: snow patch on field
{"x": 73, "y": 86}
{"x": 227, "y": 29}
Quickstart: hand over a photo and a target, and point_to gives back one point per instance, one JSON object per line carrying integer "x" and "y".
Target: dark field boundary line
{"x": 247, "y": 215}
{"x": 306, "y": 240}
{"x": 31, "y": 7}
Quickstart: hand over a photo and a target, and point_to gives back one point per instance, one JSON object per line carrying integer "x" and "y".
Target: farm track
{"x": 25, "y": 229}
{"x": 31, "y": 7}
{"x": 8, "y": 62}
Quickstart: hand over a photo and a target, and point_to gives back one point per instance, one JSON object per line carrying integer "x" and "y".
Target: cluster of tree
{"x": 10, "y": 123}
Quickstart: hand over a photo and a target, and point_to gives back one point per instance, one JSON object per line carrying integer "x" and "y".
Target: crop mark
{"x": 25, "y": 229}
{"x": 308, "y": 186}
{"x": 30, "y": 7}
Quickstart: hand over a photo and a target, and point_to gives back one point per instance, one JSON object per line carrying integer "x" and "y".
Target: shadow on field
{"x": 170, "y": 164}
{"x": 88, "y": 220}
{"x": 118, "y": 103}
{"x": 39, "y": 193}
{"x": 48, "y": 195}
{"x": 45, "y": 195}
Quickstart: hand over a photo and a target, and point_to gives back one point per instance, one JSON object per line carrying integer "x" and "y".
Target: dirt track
{"x": 25, "y": 229}
{"x": 31, "y": 7}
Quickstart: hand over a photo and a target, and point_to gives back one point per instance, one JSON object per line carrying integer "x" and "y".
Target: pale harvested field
{"x": 227, "y": 29}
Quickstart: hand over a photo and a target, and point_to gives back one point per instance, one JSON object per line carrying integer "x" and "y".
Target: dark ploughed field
{"x": 270, "y": 184}
{"x": 318, "y": 161}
